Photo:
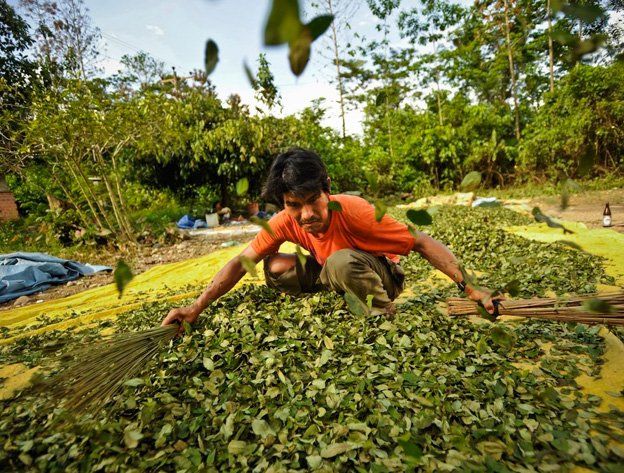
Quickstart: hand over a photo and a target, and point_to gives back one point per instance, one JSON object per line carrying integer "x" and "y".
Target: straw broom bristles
{"x": 570, "y": 309}
{"x": 99, "y": 371}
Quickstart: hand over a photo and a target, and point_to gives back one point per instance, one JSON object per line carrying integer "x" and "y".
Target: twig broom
{"x": 99, "y": 371}
{"x": 605, "y": 308}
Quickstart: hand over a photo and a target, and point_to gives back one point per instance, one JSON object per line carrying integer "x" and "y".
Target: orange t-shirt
{"x": 354, "y": 227}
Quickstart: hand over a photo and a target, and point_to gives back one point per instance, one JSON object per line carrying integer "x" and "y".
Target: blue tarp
{"x": 26, "y": 273}
{"x": 187, "y": 222}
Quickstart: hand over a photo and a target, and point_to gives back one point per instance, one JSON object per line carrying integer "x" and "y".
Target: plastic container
{"x": 212, "y": 220}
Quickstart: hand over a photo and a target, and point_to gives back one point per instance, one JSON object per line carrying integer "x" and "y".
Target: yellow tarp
{"x": 167, "y": 282}
{"x": 599, "y": 241}
{"x": 610, "y": 245}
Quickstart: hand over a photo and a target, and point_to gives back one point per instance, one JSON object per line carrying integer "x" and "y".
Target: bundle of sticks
{"x": 605, "y": 308}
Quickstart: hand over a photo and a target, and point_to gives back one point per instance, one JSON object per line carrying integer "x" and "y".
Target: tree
{"x": 81, "y": 134}
{"x": 264, "y": 84}
{"x": 18, "y": 77}
{"x": 580, "y": 126}
{"x": 342, "y": 11}
{"x": 64, "y": 35}
{"x": 139, "y": 71}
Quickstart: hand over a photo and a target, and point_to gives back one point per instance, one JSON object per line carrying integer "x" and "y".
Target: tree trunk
{"x": 440, "y": 119}
{"x": 551, "y": 54}
{"x": 81, "y": 214}
{"x": 512, "y": 72}
{"x": 93, "y": 196}
{"x": 122, "y": 202}
{"x": 334, "y": 37}
{"x": 85, "y": 194}
{"x": 117, "y": 212}
{"x": 389, "y": 125}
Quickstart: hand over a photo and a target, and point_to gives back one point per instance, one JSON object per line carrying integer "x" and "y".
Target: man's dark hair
{"x": 299, "y": 171}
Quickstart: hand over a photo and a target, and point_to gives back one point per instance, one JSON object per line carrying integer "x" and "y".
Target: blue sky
{"x": 176, "y": 32}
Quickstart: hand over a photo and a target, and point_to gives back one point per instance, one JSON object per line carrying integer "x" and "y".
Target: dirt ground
{"x": 145, "y": 258}
{"x": 586, "y": 208}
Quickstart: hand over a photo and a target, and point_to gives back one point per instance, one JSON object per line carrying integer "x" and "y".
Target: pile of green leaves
{"x": 477, "y": 237}
{"x": 269, "y": 382}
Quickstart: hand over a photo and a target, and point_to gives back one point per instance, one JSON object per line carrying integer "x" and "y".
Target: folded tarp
{"x": 26, "y": 273}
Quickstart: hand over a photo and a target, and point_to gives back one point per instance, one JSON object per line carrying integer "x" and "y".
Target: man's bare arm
{"x": 438, "y": 255}
{"x": 443, "y": 259}
{"x": 222, "y": 283}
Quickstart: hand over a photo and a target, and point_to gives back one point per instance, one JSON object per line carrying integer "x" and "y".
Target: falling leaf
{"x": 122, "y": 276}
{"x": 380, "y": 99}
{"x": 482, "y": 346}
{"x": 283, "y": 24}
{"x": 419, "y": 217}
{"x": 242, "y": 186}
{"x": 571, "y": 244}
{"x": 301, "y": 257}
{"x": 598, "y": 306}
{"x": 299, "y": 52}
{"x": 587, "y": 13}
{"x": 319, "y": 25}
{"x": 211, "y": 56}
{"x": 250, "y": 75}
{"x": 565, "y": 198}
{"x": 380, "y": 210}
{"x": 502, "y": 337}
{"x": 356, "y": 306}
{"x": 262, "y": 223}
{"x": 586, "y": 163}
{"x": 412, "y": 451}
{"x": 334, "y": 205}
{"x": 471, "y": 181}
{"x": 248, "y": 265}
{"x": 512, "y": 288}
{"x": 541, "y": 218}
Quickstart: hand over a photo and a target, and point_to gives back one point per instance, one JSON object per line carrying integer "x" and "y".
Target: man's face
{"x": 310, "y": 211}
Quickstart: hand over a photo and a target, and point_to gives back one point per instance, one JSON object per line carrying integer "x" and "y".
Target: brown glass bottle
{"x": 606, "y": 216}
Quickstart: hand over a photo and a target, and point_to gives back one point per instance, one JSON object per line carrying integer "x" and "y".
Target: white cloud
{"x": 109, "y": 66}
{"x": 157, "y": 30}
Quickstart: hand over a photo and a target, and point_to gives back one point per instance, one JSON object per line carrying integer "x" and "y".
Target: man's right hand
{"x": 181, "y": 314}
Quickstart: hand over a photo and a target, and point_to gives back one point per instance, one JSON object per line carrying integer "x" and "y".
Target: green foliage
{"x": 264, "y": 84}
{"x": 582, "y": 120}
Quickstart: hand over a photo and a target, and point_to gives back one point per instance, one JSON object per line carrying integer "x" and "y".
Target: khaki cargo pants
{"x": 345, "y": 270}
